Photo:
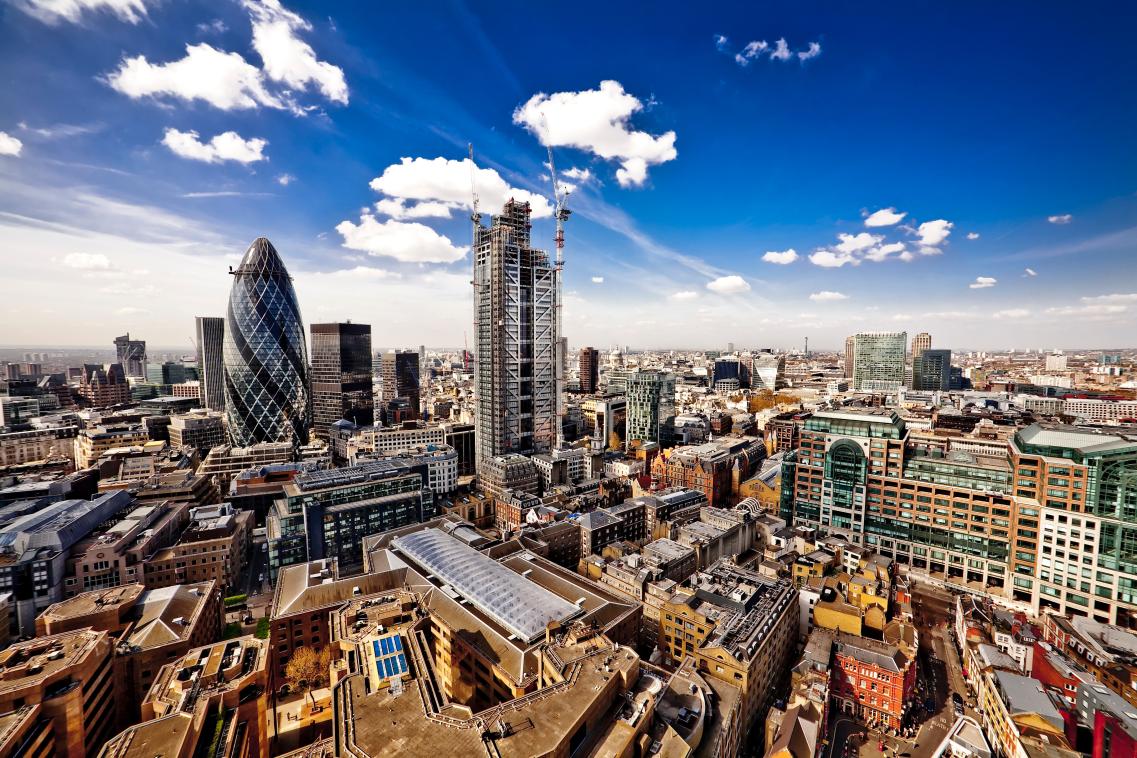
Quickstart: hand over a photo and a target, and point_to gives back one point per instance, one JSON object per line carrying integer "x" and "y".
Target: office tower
{"x": 266, "y": 358}
{"x": 101, "y": 386}
{"x": 651, "y": 407}
{"x": 515, "y": 338}
{"x": 131, "y": 354}
{"x": 166, "y": 373}
{"x": 931, "y": 370}
{"x": 769, "y": 371}
{"x": 878, "y": 360}
{"x": 850, "y": 343}
{"x": 727, "y": 375}
{"x": 210, "y": 334}
{"x": 341, "y": 376}
{"x": 920, "y": 343}
{"x": 589, "y": 370}
{"x": 400, "y": 373}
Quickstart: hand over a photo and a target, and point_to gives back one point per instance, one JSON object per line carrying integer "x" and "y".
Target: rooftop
{"x": 516, "y": 603}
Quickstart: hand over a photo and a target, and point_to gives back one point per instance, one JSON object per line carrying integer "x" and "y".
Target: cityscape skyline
{"x": 744, "y": 191}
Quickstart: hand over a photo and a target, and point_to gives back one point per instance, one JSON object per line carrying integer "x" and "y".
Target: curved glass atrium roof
{"x": 519, "y": 605}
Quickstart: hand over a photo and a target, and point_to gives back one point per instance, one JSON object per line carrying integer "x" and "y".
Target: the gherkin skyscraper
{"x": 266, "y": 360}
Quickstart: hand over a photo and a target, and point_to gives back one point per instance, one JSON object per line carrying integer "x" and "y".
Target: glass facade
{"x": 266, "y": 358}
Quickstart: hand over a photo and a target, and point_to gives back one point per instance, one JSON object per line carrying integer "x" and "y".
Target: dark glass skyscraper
{"x": 210, "y": 334}
{"x": 341, "y": 376}
{"x": 266, "y": 359}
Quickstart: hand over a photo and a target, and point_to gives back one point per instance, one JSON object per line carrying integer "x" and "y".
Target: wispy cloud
{"x": 1063, "y": 218}
{"x": 827, "y": 296}
{"x": 983, "y": 282}
{"x": 779, "y": 50}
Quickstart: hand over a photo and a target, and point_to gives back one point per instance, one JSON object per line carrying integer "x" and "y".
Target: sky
{"x": 756, "y": 175}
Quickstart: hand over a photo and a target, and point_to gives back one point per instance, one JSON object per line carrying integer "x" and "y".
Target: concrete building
{"x": 515, "y": 338}
{"x": 26, "y": 446}
{"x": 441, "y": 462}
{"x": 34, "y": 548}
{"x": 226, "y": 461}
{"x": 210, "y": 701}
{"x": 94, "y": 441}
{"x": 147, "y": 628}
{"x": 341, "y": 376}
{"x": 201, "y": 431}
{"x": 68, "y": 679}
{"x": 508, "y": 472}
{"x": 213, "y": 547}
{"x": 920, "y": 343}
{"x": 740, "y": 627}
{"x": 103, "y": 386}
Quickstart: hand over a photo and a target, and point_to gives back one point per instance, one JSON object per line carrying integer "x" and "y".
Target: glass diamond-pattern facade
{"x": 266, "y": 358}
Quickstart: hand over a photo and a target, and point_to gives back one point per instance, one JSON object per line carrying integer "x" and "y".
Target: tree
{"x": 308, "y": 669}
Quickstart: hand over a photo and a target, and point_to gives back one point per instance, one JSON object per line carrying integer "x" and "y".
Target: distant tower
{"x": 515, "y": 338}
{"x": 132, "y": 355}
{"x": 266, "y": 357}
{"x": 341, "y": 376}
{"x": 209, "y": 332}
{"x": 589, "y": 370}
{"x": 920, "y": 343}
{"x": 401, "y": 374}
{"x": 850, "y": 346}
{"x": 807, "y": 348}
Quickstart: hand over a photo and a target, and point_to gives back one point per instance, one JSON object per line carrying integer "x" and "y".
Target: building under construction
{"x": 515, "y": 303}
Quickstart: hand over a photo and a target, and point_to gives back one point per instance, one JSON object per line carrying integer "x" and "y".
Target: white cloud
{"x": 289, "y": 59}
{"x": 598, "y": 121}
{"x": 578, "y": 175}
{"x": 436, "y": 184}
{"x": 285, "y": 179}
{"x": 54, "y": 11}
{"x": 597, "y": 280}
{"x": 1096, "y": 309}
{"x": 224, "y": 80}
{"x": 973, "y": 235}
{"x": 983, "y": 282}
{"x": 881, "y": 253}
{"x": 9, "y": 145}
{"x": 227, "y": 146}
{"x": 87, "y": 262}
{"x": 721, "y": 42}
{"x": 853, "y": 243}
{"x": 1011, "y": 313}
{"x": 885, "y": 217}
{"x": 1117, "y": 297}
{"x": 407, "y": 242}
{"x": 216, "y": 26}
{"x": 813, "y": 51}
{"x": 827, "y": 296}
{"x": 829, "y": 259}
{"x": 933, "y": 233}
{"x": 782, "y": 258}
{"x": 779, "y": 52}
{"x": 1064, "y": 218}
{"x": 729, "y": 285}
{"x": 1030, "y": 272}
{"x": 684, "y": 295}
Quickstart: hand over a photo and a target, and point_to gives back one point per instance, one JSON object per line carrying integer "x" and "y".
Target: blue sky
{"x": 963, "y": 169}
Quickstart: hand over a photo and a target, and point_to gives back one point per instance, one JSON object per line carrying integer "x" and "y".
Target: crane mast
{"x": 560, "y": 214}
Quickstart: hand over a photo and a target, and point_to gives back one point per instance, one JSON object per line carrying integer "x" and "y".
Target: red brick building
{"x": 871, "y": 680}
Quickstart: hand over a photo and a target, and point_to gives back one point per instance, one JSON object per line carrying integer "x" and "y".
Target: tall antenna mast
{"x": 561, "y": 214}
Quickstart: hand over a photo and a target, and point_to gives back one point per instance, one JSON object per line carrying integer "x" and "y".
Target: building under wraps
{"x": 515, "y": 337}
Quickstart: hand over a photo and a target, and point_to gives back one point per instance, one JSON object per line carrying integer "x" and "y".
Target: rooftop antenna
{"x": 561, "y": 214}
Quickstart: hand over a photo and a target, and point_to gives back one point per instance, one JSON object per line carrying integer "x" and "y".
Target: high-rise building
{"x": 878, "y": 360}
{"x": 341, "y": 376}
{"x": 131, "y": 354}
{"x": 515, "y": 338}
{"x": 210, "y": 334}
{"x": 768, "y": 372}
{"x": 931, "y": 370}
{"x": 850, "y": 344}
{"x": 920, "y": 343}
{"x": 727, "y": 376}
{"x": 589, "y": 370}
{"x": 651, "y": 407}
{"x": 266, "y": 358}
{"x": 101, "y": 386}
{"x": 400, "y": 374}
